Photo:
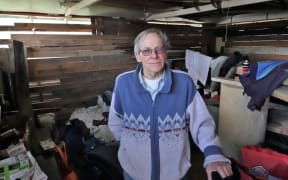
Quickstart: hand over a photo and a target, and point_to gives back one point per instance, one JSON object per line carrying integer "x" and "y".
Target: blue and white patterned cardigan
{"x": 153, "y": 135}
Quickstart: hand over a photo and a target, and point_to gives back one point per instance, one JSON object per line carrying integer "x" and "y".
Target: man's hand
{"x": 223, "y": 168}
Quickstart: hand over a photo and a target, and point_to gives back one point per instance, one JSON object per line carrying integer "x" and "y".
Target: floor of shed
{"x": 197, "y": 172}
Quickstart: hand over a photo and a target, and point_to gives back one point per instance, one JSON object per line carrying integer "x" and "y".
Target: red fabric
{"x": 275, "y": 163}
{"x": 69, "y": 173}
{"x": 217, "y": 97}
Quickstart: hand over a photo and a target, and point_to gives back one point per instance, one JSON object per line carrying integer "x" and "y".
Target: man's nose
{"x": 154, "y": 53}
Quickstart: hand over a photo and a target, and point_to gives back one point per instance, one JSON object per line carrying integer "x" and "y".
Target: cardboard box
{"x": 15, "y": 167}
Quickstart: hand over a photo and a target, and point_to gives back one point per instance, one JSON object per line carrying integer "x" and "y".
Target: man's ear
{"x": 138, "y": 58}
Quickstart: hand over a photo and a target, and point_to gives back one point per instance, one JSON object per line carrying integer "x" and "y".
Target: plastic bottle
{"x": 245, "y": 66}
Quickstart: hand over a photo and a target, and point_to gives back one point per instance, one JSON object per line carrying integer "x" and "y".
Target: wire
{"x": 226, "y": 27}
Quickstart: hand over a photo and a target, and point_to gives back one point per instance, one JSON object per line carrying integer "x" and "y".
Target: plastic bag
{"x": 266, "y": 161}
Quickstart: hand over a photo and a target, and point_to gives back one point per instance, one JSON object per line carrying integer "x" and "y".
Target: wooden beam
{"x": 44, "y": 40}
{"x": 261, "y": 16}
{"x": 55, "y": 68}
{"x": 80, "y": 5}
{"x": 204, "y": 8}
{"x": 281, "y": 23}
{"x": 49, "y": 27}
{"x": 258, "y": 50}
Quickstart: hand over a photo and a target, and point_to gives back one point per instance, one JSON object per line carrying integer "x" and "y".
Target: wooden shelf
{"x": 280, "y": 93}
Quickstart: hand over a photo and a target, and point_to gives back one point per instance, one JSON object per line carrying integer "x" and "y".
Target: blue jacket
{"x": 262, "y": 79}
{"x": 153, "y": 135}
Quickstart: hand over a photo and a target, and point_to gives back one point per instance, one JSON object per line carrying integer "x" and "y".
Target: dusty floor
{"x": 197, "y": 172}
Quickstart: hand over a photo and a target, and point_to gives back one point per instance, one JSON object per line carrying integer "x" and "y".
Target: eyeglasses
{"x": 148, "y": 51}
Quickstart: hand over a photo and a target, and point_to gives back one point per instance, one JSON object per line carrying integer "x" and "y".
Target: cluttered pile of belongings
{"x": 16, "y": 162}
{"x": 202, "y": 67}
{"x": 85, "y": 133}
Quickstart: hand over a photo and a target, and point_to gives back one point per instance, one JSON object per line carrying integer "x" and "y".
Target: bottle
{"x": 245, "y": 66}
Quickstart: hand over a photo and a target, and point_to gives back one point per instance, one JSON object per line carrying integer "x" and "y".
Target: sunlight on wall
{"x": 10, "y": 20}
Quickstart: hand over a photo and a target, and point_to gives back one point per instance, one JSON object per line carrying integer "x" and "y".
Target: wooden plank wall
{"x": 65, "y": 71}
{"x": 260, "y": 41}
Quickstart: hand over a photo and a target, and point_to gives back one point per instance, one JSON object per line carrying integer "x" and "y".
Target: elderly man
{"x": 153, "y": 109}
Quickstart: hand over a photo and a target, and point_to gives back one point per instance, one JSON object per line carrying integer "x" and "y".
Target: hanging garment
{"x": 260, "y": 88}
{"x": 198, "y": 66}
{"x": 230, "y": 62}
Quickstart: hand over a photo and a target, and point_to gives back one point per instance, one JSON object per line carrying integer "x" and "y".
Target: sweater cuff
{"x": 215, "y": 158}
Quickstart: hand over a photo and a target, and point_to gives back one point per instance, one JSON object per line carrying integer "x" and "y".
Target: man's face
{"x": 152, "y": 56}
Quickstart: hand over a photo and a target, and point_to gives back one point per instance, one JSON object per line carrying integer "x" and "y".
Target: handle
{"x": 63, "y": 154}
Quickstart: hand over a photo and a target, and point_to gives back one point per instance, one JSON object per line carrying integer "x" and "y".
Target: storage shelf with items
{"x": 237, "y": 125}
{"x": 16, "y": 110}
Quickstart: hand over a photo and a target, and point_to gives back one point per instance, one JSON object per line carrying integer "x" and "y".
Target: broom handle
{"x": 63, "y": 155}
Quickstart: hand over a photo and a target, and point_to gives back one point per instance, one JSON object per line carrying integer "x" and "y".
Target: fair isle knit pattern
{"x": 169, "y": 128}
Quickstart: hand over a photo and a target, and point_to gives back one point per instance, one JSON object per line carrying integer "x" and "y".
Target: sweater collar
{"x": 167, "y": 76}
